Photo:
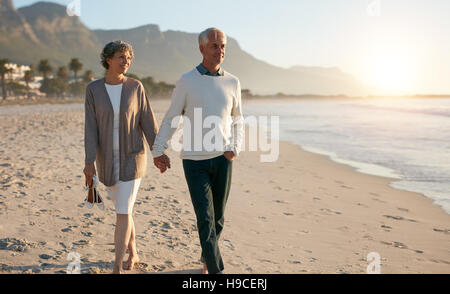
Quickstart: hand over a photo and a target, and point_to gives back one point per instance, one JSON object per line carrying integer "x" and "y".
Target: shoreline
{"x": 359, "y": 169}
{"x": 255, "y": 98}
{"x": 401, "y": 179}
{"x": 301, "y": 214}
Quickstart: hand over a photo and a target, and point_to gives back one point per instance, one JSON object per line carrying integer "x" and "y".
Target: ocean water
{"x": 406, "y": 139}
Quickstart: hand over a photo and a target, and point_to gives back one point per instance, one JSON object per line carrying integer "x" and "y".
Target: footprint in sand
{"x": 87, "y": 234}
{"x": 400, "y": 245}
{"x": 295, "y": 261}
{"x": 46, "y": 256}
{"x": 442, "y": 231}
{"x": 141, "y": 266}
{"x": 158, "y": 268}
{"x": 99, "y": 219}
{"x": 229, "y": 244}
{"x": 330, "y": 211}
{"x": 268, "y": 261}
{"x": 386, "y": 228}
{"x": 166, "y": 225}
{"x": 19, "y": 245}
{"x": 400, "y": 218}
{"x": 81, "y": 243}
{"x": 395, "y": 244}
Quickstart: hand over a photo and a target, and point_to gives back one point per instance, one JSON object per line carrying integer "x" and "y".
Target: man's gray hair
{"x": 203, "y": 37}
{"x": 111, "y": 48}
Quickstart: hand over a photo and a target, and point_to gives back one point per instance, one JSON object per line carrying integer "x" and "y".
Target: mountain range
{"x": 45, "y": 31}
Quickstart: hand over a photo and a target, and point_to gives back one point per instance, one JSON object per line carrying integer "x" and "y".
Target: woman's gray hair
{"x": 203, "y": 37}
{"x": 111, "y": 48}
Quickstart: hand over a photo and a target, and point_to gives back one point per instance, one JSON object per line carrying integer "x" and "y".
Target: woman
{"x": 117, "y": 116}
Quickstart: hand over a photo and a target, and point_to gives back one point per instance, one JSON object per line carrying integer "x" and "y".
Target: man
{"x": 208, "y": 92}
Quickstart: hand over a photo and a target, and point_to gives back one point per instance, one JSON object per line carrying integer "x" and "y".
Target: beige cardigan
{"x": 136, "y": 118}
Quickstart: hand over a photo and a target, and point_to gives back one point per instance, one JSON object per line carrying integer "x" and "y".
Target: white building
{"x": 18, "y": 71}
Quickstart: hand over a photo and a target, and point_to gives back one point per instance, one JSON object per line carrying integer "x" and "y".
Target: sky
{"x": 397, "y": 46}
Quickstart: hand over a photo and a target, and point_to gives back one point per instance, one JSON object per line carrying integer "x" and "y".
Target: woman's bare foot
{"x": 205, "y": 269}
{"x": 132, "y": 260}
{"x": 117, "y": 270}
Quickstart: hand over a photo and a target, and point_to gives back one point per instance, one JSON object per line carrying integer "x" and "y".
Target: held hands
{"x": 229, "y": 155}
{"x": 162, "y": 162}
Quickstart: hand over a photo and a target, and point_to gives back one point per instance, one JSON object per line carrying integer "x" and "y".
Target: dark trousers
{"x": 209, "y": 184}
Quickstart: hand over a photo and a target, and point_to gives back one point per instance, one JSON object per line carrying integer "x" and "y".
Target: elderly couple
{"x": 118, "y": 116}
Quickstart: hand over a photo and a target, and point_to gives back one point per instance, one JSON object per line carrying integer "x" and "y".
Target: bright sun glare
{"x": 392, "y": 71}
{"x": 392, "y": 74}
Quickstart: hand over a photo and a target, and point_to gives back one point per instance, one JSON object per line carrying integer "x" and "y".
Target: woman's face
{"x": 120, "y": 62}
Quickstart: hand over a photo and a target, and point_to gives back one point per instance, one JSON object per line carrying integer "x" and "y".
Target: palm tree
{"x": 28, "y": 78}
{"x": 88, "y": 76}
{"x": 45, "y": 68}
{"x": 62, "y": 73}
{"x": 75, "y": 65}
{"x": 3, "y": 71}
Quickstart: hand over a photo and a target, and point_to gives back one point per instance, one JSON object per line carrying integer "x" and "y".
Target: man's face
{"x": 120, "y": 62}
{"x": 214, "y": 51}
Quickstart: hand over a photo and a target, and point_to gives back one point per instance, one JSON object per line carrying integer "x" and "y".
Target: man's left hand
{"x": 229, "y": 155}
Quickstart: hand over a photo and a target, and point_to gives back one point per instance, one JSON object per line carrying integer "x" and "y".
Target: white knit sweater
{"x": 212, "y": 116}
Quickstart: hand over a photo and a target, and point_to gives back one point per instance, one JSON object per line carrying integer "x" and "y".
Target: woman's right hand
{"x": 89, "y": 172}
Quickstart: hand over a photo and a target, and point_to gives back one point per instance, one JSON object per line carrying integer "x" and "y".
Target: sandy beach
{"x": 300, "y": 214}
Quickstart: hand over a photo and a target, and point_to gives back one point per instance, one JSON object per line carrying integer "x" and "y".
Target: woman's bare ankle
{"x": 117, "y": 269}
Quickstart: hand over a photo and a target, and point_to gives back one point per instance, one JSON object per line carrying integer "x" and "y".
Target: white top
{"x": 115, "y": 93}
{"x": 212, "y": 116}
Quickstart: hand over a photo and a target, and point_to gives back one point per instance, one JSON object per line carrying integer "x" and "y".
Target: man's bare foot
{"x": 205, "y": 269}
{"x": 132, "y": 260}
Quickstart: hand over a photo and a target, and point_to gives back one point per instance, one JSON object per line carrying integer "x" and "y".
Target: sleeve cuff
{"x": 232, "y": 148}
{"x": 157, "y": 153}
